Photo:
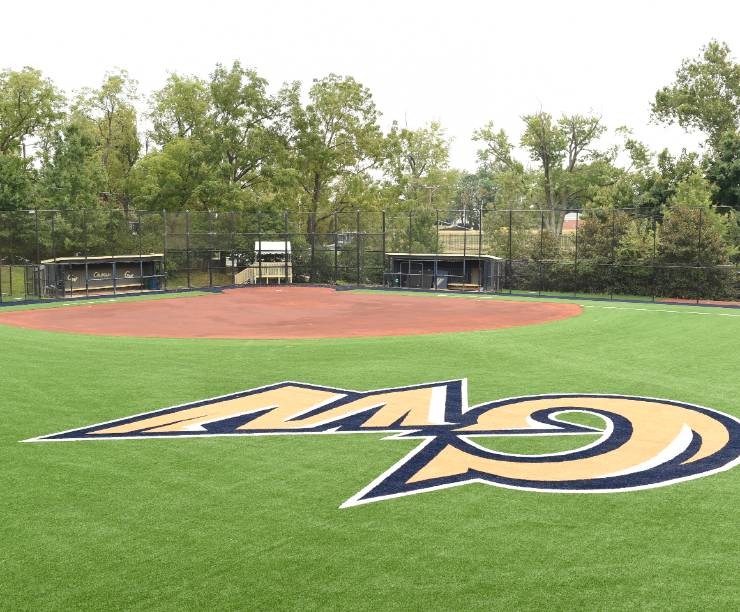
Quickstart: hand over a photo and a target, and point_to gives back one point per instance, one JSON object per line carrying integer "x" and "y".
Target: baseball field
{"x": 221, "y": 522}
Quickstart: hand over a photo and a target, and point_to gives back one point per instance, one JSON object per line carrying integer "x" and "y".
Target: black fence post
{"x": 436, "y": 250}
{"x": 259, "y": 247}
{"x": 540, "y": 280}
{"x": 358, "y": 263}
{"x": 700, "y": 271}
{"x": 655, "y": 248}
{"x": 313, "y": 245}
{"x": 86, "y": 246}
{"x": 612, "y": 264}
{"x": 382, "y": 216}
{"x": 465, "y": 246}
{"x": 509, "y": 266}
{"x": 210, "y": 247}
{"x": 141, "y": 248}
{"x": 576, "y": 279}
{"x": 1, "y": 270}
{"x": 411, "y": 232}
{"x": 38, "y": 236}
{"x": 53, "y": 252}
{"x": 164, "y": 246}
{"x": 187, "y": 245}
{"x": 336, "y": 247}
{"x": 35, "y": 269}
{"x": 480, "y": 248}
{"x": 288, "y": 278}
{"x": 53, "y": 235}
{"x": 232, "y": 244}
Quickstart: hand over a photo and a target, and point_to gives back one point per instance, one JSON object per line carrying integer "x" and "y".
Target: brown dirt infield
{"x": 289, "y": 312}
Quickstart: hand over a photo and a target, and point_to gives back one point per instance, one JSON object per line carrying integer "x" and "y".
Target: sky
{"x": 461, "y": 63}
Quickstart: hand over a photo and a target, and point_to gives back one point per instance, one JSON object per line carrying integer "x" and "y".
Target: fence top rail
{"x": 135, "y": 211}
{"x": 470, "y": 255}
{"x": 75, "y": 259}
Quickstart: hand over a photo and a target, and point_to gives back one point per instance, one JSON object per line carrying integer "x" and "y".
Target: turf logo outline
{"x": 643, "y": 442}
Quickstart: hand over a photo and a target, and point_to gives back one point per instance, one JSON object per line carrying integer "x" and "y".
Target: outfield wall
{"x": 684, "y": 252}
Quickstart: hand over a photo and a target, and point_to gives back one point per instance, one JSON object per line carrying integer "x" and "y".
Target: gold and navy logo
{"x": 639, "y": 443}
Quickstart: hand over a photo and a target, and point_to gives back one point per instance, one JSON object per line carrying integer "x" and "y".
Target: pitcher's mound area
{"x": 290, "y": 312}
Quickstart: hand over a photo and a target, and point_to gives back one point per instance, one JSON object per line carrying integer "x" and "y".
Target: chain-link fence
{"x": 683, "y": 253}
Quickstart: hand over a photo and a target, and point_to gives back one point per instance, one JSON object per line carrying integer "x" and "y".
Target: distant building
{"x": 272, "y": 264}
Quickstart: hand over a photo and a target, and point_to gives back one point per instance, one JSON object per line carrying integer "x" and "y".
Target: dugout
{"x": 70, "y": 276}
{"x": 444, "y": 271}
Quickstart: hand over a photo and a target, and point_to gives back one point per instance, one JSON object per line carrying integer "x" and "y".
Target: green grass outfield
{"x": 253, "y": 522}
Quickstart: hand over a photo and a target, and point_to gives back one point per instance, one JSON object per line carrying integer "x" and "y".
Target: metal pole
{"x": 382, "y": 216}
{"x": 114, "y": 248}
{"x": 285, "y": 246}
{"x": 480, "y": 247}
{"x": 436, "y": 250}
{"x": 542, "y": 250}
{"x": 655, "y": 233}
{"x": 164, "y": 246}
{"x": 699, "y": 259}
{"x": 1, "y": 278}
{"x": 336, "y": 247}
{"x": 409, "y": 237}
{"x": 85, "y": 239}
{"x": 10, "y": 266}
{"x": 259, "y": 248}
{"x": 53, "y": 247}
{"x": 53, "y": 236}
{"x": 509, "y": 271}
{"x": 187, "y": 245}
{"x": 575, "y": 259}
{"x": 613, "y": 261}
{"x": 465, "y": 247}
{"x": 313, "y": 245}
{"x": 141, "y": 247}
{"x": 233, "y": 247}
{"x": 38, "y": 237}
{"x": 35, "y": 270}
{"x": 357, "y": 240}
{"x": 210, "y": 248}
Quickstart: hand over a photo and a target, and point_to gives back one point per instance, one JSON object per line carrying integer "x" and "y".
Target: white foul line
{"x": 717, "y": 314}
{"x": 694, "y": 312}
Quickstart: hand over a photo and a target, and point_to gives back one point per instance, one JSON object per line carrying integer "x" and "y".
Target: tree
{"x": 242, "y": 133}
{"x": 16, "y": 195}
{"x": 226, "y": 133}
{"x": 110, "y": 110}
{"x": 693, "y": 234}
{"x": 29, "y": 104}
{"x": 561, "y": 149}
{"x": 71, "y": 175}
{"x": 705, "y": 94}
{"x": 416, "y": 163}
{"x": 656, "y": 182}
{"x": 336, "y": 138}
{"x": 176, "y": 178}
{"x": 180, "y": 109}
{"x": 507, "y": 182}
{"x": 16, "y": 183}
{"x": 724, "y": 170}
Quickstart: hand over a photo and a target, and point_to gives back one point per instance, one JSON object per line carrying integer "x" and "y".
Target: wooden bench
{"x": 463, "y": 287}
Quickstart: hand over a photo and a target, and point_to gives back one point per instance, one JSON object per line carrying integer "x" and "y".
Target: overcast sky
{"x": 462, "y": 63}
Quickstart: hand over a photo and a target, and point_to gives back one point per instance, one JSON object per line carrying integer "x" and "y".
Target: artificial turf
{"x": 253, "y": 522}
